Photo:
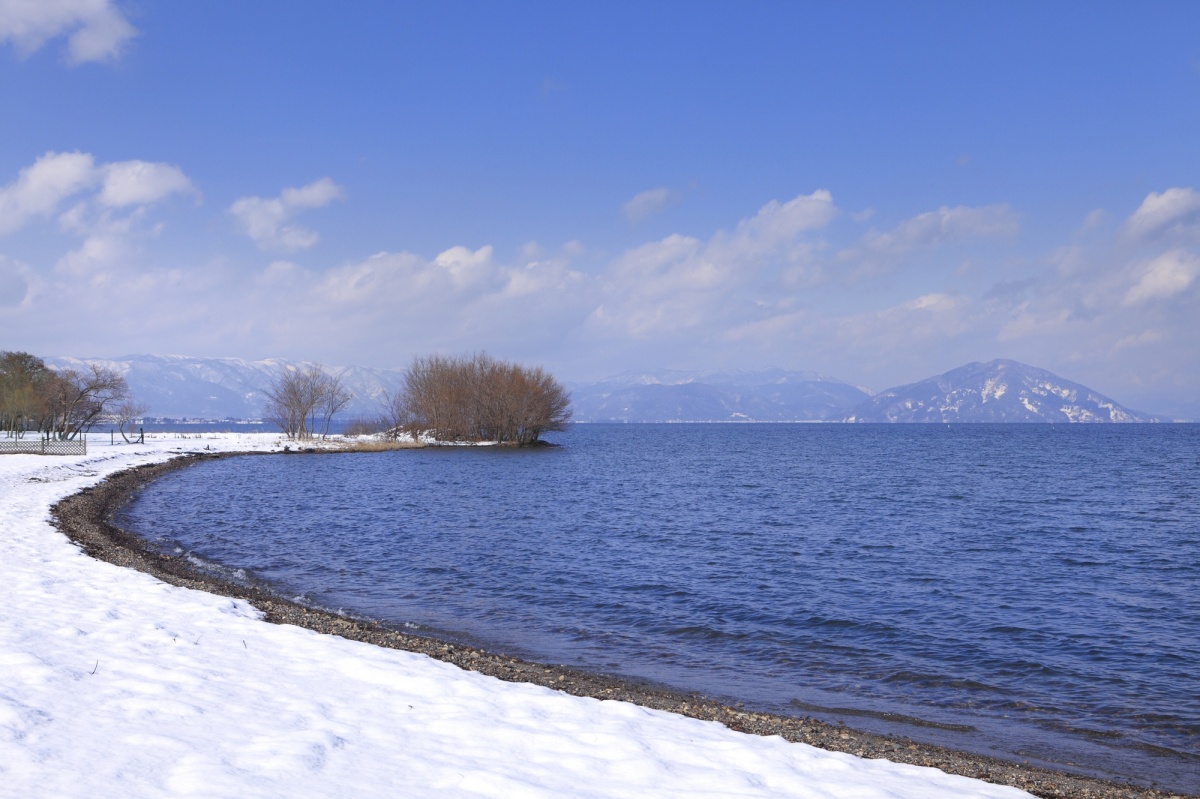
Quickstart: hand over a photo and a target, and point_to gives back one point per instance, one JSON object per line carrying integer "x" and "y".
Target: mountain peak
{"x": 1001, "y": 390}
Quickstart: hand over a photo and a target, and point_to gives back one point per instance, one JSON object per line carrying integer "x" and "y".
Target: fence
{"x": 40, "y": 446}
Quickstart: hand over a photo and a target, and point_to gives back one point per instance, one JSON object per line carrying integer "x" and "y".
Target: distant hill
{"x": 999, "y": 391}
{"x": 767, "y": 395}
{"x": 218, "y": 388}
{"x": 178, "y": 386}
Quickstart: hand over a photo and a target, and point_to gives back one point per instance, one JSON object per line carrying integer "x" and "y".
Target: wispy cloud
{"x": 1174, "y": 211}
{"x": 265, "y": 219}
{"x": 649, "y": 202}
{"x": 95, "y": 29}
{"x": 934, "y": 227}
{"x": 1165, "y": 276}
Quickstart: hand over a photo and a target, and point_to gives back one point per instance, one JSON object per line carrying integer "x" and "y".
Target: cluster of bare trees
{"x": 478, "y": 398}
{"x": 59, "y": 404}
{"x": 302, "y": 401}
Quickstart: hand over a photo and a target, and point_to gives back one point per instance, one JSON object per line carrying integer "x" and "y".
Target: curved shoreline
{"x": 84, "y": 517}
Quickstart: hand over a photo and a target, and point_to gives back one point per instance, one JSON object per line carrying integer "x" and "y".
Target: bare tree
{"x": 289, "y": 402}
{"x": 127, "y": 413}
{"x": 545, "y": 405}
{"x": 76, "y": 400}
{"x": 334, "y": 396}
{"x": 304, "y": 400}
{"x": 57, "y": 404}
{"x": 399, "y": 417}
{"x": 478, "y": 398}
{"x": 284, "y": 403}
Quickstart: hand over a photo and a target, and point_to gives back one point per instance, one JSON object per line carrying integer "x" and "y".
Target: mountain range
{"x": 178, "y": 387}
{"x": 766, "y": 395}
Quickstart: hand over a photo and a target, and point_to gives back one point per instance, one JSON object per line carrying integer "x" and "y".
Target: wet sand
{"x": 84, "y": 517}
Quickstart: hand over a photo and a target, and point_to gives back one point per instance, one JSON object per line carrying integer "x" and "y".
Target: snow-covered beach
{"x": 115, "y": 683}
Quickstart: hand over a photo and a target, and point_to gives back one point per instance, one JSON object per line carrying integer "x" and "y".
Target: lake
{"x": 1027, "y": 591}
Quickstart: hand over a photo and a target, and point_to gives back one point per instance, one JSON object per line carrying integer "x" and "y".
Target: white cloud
{"x": 102, "y": 251}
{"x": 752, "y": 293}
{"x": 96, "y": 30}
{"x": 1165, "y": 276}
{"x": 106, "y": 216}
{"x": 664, "y": 267}
{"x": 680, "y": 283}
{"x": 39, "y": 189}
{"x": 405, "y": 280}
{"x": 930, "y": 318}
{"x": 1174, "y": 211}
{"x": 1140, "y": 339}
{"x": 466, "y": 268}
{"x": 933, "y": 227}
{"x": 779, "y": 223}
{"x": 461, "y": 299}
{"x": 317, "y": 194}
{"x": 538, "y": 276}
{"x": 42, "y": 188}
{"x": 398, "y": 278}
{"x": 1044, "y": 321}
{"x": 265, "y": 219}
{"x": 770, "y": 330}
{"x": 649, "y": 203}
{"x": 660, "y": 287}
{"x": 141, "y": 183}
{"x": 442, "y": 286}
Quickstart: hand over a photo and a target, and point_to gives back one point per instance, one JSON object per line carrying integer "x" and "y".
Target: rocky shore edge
{"x": 85, "y": 519}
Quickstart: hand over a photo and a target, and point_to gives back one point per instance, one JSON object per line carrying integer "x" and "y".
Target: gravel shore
{"x": 84, "y": 517}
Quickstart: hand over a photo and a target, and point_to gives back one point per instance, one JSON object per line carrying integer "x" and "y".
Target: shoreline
{"x": 83, "y": 517}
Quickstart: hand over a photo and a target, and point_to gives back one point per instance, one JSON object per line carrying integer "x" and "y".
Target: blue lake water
{"x": 1022, "y": 590}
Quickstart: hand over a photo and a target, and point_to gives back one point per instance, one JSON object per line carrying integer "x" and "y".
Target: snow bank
{"x": 113, "y": 683}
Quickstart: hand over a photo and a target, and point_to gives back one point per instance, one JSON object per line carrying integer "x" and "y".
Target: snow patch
{"x": 993, "y": 389}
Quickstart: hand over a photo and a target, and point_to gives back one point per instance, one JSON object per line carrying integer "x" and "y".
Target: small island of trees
{"x": 474, "y": 398}
{"x": 478, "y": 398}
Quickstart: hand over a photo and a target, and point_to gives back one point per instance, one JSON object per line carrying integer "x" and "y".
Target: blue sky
{"x": 877, "y": 191}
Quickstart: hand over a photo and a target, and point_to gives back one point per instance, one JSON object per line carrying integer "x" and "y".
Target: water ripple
{"x": 1011, "y": 588}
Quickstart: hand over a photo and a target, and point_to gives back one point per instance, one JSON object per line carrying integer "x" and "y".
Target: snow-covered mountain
{"x": 999, "y": 391}
{"x": 217, "y": 388}
{"x": 767, "y": 395}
